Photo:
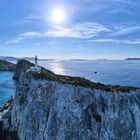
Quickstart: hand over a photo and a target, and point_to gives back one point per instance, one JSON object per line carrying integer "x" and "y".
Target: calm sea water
{"x": 108, "y": 72}
{"x": 7, "y": 87}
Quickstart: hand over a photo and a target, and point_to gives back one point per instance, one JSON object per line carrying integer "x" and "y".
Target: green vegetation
{"x": 77, "y": 81}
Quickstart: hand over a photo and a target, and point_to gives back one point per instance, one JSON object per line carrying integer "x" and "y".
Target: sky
{"x": 70, "y": 29}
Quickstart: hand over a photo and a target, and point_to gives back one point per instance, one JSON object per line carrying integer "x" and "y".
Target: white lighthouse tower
{"x": 36, "y": 68}
{"x": 36, "y": 61}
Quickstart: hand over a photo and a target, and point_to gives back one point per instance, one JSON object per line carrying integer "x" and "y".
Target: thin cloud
{"x": 32, "y": 17}
{"x": 24, "y": 36}
{"x": 125, "y": 30}
{"x": 88, "y": 31}
{"x": 51, "y": 42}
{"x": 78, "y": 31}
{"x": 107, "y": 5}
{"x": 117, "y": 41}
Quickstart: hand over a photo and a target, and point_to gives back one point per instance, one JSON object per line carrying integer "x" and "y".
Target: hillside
{"x": 6, "y": 66}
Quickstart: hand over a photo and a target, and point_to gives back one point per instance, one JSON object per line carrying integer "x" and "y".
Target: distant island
{"x": 6, "y": 66}
{"x": 132, "y": 59}
{"x": 11, "y": 58}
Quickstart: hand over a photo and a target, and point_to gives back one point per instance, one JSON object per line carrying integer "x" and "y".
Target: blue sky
{"x": 92, "y": 29}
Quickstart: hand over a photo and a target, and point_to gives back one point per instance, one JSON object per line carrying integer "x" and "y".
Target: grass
{"x": 79, "y": 81}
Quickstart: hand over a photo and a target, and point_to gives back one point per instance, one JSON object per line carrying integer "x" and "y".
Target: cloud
{"x": 24, "y": 36}
{"x": 116, "y": 41}
{"x": 78, "y": 31}
{"x": 51, "y": 42}
{"x": 107, "y": 5}
{"x": 106, "y": 40}
{"x": 132, "y": 42}
{"x": 125, "y": 30}
{"x": 86, "y": 31}
{"x": 32, "y": 17}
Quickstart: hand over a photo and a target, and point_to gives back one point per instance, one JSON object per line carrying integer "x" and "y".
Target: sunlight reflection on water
{"x": 57, "y": 68}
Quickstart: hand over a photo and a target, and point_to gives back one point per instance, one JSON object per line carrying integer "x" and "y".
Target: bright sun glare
{"x": 58, "y": 16}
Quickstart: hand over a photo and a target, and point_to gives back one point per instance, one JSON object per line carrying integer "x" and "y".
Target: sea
{"x": 7, "y": 87}
{"x": 114, "y": 72}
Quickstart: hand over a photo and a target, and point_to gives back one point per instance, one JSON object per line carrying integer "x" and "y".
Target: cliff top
{"x": 78, "y": 81}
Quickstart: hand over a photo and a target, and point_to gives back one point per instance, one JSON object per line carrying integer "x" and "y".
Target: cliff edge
{"x": 55, "y": 107}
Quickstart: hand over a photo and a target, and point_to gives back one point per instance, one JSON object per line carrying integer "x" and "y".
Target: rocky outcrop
{"x": 6, "y": 66}
{"x": 8, "y": 104}
{"x": 56, "y": 107}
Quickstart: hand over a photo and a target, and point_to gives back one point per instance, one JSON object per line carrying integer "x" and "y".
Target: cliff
{"x": 55, "y": 107}
{"x": 6, "y": 66}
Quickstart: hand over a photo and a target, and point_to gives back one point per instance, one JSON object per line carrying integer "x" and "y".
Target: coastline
{"x": 53, "y": 106}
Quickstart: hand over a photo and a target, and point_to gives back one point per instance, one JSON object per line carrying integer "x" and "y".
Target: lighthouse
{"x": 36, "y": 68}
{"x": 36, "y": 63}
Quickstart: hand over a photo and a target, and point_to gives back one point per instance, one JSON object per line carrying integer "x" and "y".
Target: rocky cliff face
{"x": 51, "y": 107}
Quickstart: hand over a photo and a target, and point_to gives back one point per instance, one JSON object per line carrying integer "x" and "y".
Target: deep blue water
{"x": 108, "y": 72}
{"x": 7, "y": 87}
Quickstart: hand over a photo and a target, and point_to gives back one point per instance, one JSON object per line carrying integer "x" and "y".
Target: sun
{"x": 58, "y": 16}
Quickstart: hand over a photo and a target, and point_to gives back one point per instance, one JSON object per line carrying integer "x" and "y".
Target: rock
{"x": 54, "y": 107}
{"x": 8, "y": 104}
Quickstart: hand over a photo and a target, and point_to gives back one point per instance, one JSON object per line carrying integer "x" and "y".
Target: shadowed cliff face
{"x": 52, "y": 110}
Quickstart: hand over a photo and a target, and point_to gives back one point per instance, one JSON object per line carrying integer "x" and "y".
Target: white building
{"x": 36, "y": 68}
